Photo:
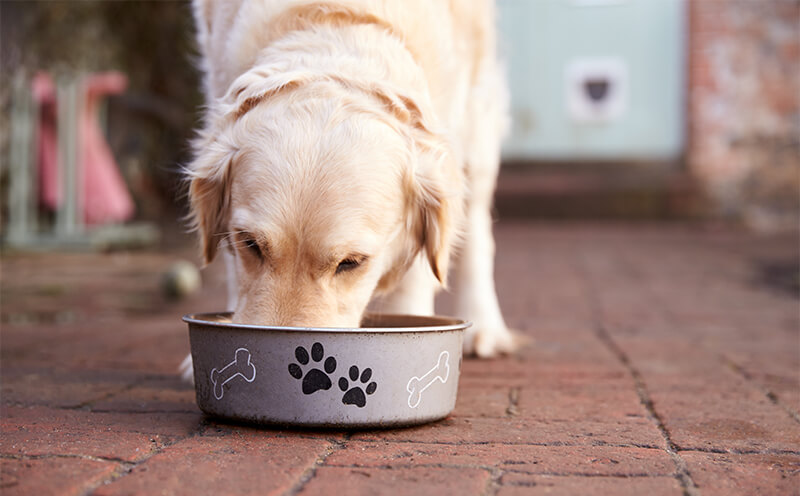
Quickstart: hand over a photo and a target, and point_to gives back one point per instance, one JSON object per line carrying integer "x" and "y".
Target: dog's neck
{"x": 348, "y": 52}
{"x": 364, "y": 57}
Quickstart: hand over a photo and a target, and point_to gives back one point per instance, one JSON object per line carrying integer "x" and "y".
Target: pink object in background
{"x": 44, "y": 92}
{"x": 105, "y": 197}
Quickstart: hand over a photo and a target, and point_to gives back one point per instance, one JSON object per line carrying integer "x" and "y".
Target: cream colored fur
{"x": 348, "y": 148}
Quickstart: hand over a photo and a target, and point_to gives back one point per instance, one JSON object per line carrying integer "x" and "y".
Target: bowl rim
{"x": 439, "y": 324}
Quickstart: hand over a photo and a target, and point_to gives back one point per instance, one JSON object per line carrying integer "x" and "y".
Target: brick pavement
{"x": 666, "y": 361}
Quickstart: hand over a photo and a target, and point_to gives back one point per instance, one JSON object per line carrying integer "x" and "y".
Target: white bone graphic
{"x": 239, "y": 367}
{"x": 417, "y": 385}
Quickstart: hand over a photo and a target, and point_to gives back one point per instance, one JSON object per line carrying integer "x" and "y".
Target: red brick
{"x": 695, "y": 422}
{"x": 557, "y": 374}
{"x": 786, "y": 389}
{"x": 547, "y": 365}
{"x": 158, "y": 353}
{"x": 242, "y": 464}
{"x": 62, "y": 388}
{"x": 706, "y": 405}
{"x": 592, "y": 460}
{"x": 516, "y": 430}
{"x": 214, "y": 428}
{"x": 757, "y": 105}
{"x": 28, "y": 476}
{"x": 772, "y": 368}
{"x": 166, "y": 394}
{"x": 48, "y": 345}
{"x": 598, "y": 402}
{"x": 129, "y": 436}
{"x": 88, "y": 284}
{"x": 686, "y": 308}
{"x": 154, "y": 345}
{"x": 422, "y": 481}
{"x": 513, "y": 369}
{"x": 732, "y": 475}
{"x": 532, "y": 485}
{"x": 477, "y": 399}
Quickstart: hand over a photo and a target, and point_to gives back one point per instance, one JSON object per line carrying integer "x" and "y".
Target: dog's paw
{"x": 187, "y": 370}
{"x": 488, "y": 342}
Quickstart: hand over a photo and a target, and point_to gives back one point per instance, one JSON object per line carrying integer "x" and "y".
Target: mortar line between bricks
{"x": 493, "y": 483}
{"x": 111, "y": 394}
{"x": 589, "y": 476}
{"x": 556, "y": 444}
{"x": 771, "y": 396}
{"x": 138, "y": 412}
{"x": 49, "y": 456}
{"x": 311, "y": 471}
{"x": 126, "y": 468}
{"x": 88, "y": 403}
{"x": 122, "y": 467}
{"x": 592, "y": 291}
{"x": 492, "y": 468}
{"x": 731, "y": 451}
{"x": 682, "y": 472}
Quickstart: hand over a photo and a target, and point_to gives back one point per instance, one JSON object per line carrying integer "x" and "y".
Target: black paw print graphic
{"x": 355, "y": 395}
{"x": 315, "y": 379}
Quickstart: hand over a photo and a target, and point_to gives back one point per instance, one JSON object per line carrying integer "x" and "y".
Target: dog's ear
{"x": 436, "y": 231}
{"x": 435, "y": 181}
{"x": 210, "y": 173}
{"x": 257, "y": 85}
{"x": 209, "y": 194}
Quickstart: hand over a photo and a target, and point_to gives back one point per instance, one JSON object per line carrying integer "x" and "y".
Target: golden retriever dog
{"x": 349, "y": 150}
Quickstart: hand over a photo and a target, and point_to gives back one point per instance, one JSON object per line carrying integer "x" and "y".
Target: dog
{"x": 349, "y": 150}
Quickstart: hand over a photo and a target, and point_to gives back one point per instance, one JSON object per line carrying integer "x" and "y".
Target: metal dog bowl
{"x": 396, "y": 370}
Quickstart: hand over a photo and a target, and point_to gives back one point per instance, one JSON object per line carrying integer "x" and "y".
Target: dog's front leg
{"x": 186, "y": 369}
{"x": 476, "y": 298}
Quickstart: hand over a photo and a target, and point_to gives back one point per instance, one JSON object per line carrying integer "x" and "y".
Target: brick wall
{"x": 744, "y": 116}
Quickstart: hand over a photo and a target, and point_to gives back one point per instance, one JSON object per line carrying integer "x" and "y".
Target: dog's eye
{"x": 347, "y": 264}
{"x": 252, "y": 246}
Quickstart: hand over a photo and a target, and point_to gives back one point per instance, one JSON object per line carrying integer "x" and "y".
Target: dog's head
{"x": 324, "y": 190}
